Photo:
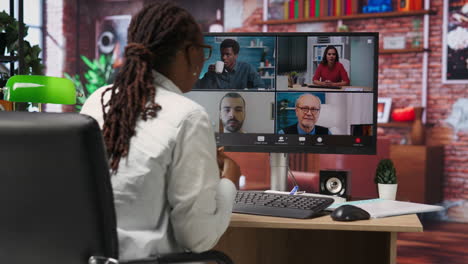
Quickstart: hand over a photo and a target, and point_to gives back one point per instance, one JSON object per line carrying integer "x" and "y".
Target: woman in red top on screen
{"x": 330, "y": 71}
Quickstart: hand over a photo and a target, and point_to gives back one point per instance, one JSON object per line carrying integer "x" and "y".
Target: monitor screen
{"x": 291, "y": 92}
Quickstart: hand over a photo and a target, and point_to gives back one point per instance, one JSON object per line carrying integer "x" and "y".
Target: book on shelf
{"x": 323, "y": 8}
{"x": 291, "y": 8}
{"x": 299, "y": 9}
{"x": 296, "y": 9}
{"x": 338, "y": 7}
{"x": 306, "y": 9}
{"x": 317, "y": 8}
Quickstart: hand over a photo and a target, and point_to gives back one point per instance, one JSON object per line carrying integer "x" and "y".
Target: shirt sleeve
{"x": 343, "y": 74}
{"x": 318, "y": 73}
{"x": 93, "y": 107}
{"x": 208, "y": 81}
{"x": 255, "y": 78}
{"x": 201, "y": 203}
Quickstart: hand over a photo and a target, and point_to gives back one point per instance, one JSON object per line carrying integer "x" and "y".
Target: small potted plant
{"x": 292, "y": 78}
{"x": 385, "y": 178}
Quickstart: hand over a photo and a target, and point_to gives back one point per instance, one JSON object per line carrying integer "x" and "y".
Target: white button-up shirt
{"x": 168, "y": 194}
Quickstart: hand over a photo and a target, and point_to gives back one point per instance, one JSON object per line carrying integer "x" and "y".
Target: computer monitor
{"x": 260, "y": 93}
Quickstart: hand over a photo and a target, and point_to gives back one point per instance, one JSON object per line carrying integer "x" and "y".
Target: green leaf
{"x": 89, "y": 63}
{"x": 92, "y": 76}
{"x": 97, "y": 75}
{"x": 102, "y": 62}
{"x": 385, "y": 172}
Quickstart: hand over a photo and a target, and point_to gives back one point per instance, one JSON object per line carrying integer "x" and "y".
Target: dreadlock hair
{"x": 155, "y": 34}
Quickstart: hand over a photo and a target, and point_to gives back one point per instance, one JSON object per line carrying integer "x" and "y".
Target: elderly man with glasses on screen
{"x": 307, "y": 113}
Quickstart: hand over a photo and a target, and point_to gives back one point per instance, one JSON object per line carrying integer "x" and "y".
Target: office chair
{"x": 55, "y": 194}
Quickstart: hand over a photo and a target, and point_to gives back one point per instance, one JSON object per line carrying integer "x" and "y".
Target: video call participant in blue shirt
{"x": 235, "y": 74}
{"x": 307, "y": 113}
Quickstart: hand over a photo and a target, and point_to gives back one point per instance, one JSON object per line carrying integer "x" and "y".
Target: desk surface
{"x": 403, "y": 223}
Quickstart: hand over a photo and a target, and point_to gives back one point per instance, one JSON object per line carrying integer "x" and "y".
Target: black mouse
{"x": 349, "y": 212}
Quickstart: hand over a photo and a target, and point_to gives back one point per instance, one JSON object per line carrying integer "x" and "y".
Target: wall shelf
{"x": 347, "y": 17}
{"x": 410, "y": 50}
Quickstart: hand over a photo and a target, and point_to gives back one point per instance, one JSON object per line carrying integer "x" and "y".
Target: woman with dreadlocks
{"x": 165, "y": 168}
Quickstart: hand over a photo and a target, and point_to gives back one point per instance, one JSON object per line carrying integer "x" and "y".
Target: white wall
{"x": 233, "y": 16}
{"x": 341, "y": 110}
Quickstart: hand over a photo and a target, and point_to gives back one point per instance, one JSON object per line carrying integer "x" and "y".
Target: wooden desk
{"x": 270, "y": 240}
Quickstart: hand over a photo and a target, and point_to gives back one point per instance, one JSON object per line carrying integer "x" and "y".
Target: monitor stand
{"x": 279, "y": 163}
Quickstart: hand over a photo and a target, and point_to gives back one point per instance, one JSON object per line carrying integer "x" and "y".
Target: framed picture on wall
{"x": 455, "y": 42}
{"x": 384, "y": 104}
{"x": 111, "y": 37}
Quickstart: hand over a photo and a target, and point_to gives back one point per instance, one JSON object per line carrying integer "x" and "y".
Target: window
{"x": 32, "y": 14}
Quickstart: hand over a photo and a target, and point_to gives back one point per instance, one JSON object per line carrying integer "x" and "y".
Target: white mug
{"x": 219, "y": 66}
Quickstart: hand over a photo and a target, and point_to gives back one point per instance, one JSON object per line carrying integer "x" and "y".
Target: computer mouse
{"x": 349, "y": 212}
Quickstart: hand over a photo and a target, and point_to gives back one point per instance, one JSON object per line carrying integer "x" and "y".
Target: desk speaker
{"x": 335, "y": 183}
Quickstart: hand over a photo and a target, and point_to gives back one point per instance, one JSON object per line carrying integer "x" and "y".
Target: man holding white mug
{"x": 230, "y": 73}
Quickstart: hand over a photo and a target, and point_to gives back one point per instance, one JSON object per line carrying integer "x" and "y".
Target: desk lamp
{"x": 39, "y": 89}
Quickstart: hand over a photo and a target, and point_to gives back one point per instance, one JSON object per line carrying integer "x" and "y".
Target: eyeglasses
{"x": 207, "y": 49}
{"x": 305, "y": 110}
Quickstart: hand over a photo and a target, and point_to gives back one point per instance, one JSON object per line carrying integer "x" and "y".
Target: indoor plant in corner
{"x": 385, "y": 177}
{"x": 8, "y": 32}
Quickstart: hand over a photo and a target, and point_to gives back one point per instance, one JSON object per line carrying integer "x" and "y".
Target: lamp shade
{"x": 39, "y": 89}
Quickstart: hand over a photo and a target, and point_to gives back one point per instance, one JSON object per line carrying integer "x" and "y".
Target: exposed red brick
{"x": 400, "y": 77}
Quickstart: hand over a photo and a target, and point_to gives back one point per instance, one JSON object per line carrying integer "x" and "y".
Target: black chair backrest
{"x": 55, "y": 194}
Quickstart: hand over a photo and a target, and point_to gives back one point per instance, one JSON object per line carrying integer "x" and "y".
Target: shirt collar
{"x": 302, "y": 132}
{"x": 162, "y": 81}
{"x": 236, "y": 67}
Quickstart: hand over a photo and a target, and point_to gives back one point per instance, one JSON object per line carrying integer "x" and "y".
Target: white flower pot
{"x": 387, "y": 191}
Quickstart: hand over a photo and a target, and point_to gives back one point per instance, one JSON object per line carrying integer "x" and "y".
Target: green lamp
{"x": 39, "y": 89}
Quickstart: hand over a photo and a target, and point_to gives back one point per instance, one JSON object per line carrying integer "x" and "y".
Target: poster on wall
{"x": 111, "y": 31}
{"x": 455, "y": 38}
{"x": 111, "y": 37}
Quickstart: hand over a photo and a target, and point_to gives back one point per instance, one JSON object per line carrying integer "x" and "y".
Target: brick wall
{"x": 79, "y": 26}
{"x": 399, "y": 74}
{"x": 70, "y": 34}
{"x": 400, "y": 77}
